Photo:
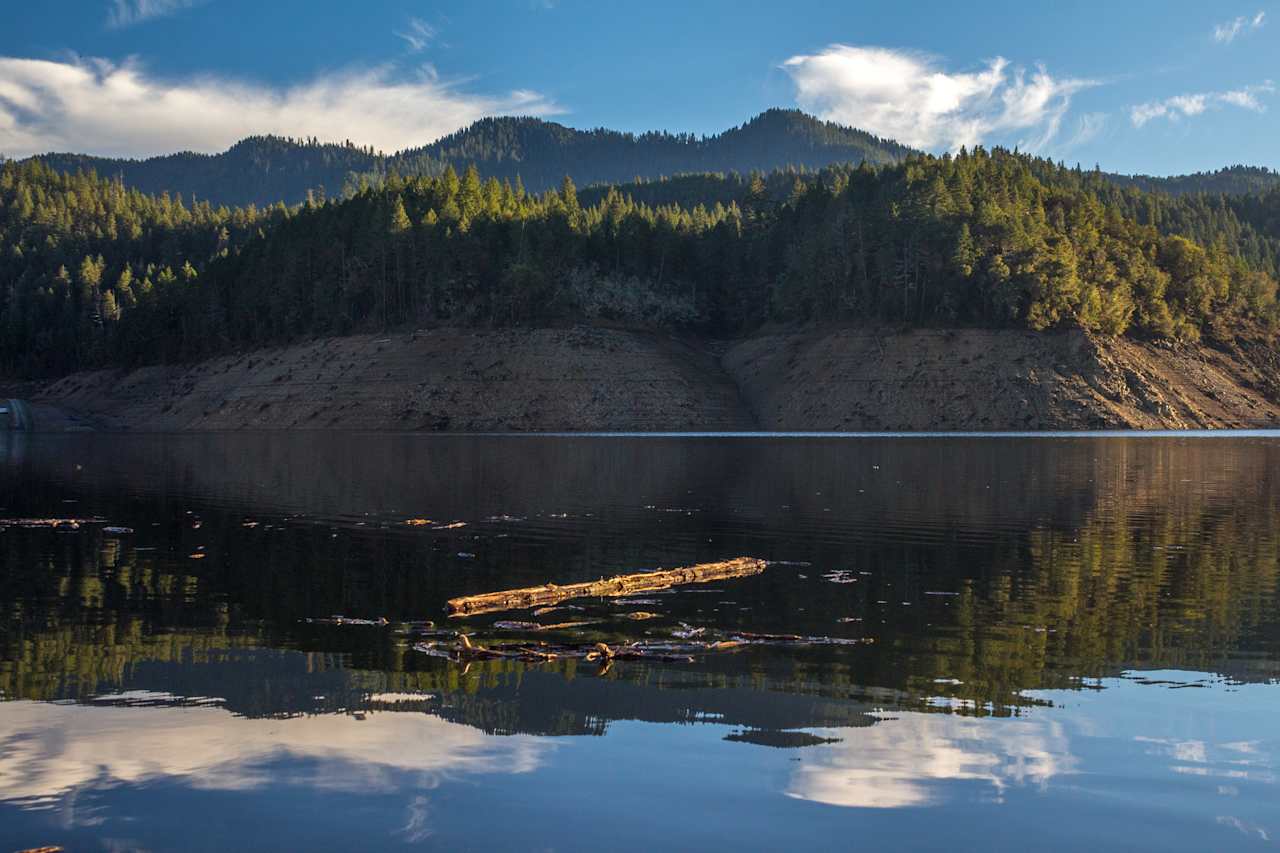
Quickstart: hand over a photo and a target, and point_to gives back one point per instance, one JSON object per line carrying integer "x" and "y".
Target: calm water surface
{"x": 1072, "y": 641}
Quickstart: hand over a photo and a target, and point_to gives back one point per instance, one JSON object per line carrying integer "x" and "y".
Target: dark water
{"x": 1076, "y": 642}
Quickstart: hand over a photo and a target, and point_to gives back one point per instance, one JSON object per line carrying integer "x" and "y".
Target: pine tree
{"x": 399, "y": 220}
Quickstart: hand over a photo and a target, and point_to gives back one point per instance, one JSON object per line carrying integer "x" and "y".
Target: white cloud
{"x": 95, "y": 106}
{"x": 54, "y": 751}
{"x": 1186, "y": 106}
{"x": 905, "y": 762}
{"x": 418, "y": 34}
{"x": 1088, "y": 129}
{"x": 909, "y": 97}
{"x": 1226, "y": 33}
{"x": 1247, "y": 98}
{"x": 126, "y": 13}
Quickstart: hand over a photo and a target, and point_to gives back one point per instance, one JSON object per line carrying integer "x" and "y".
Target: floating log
{"x": 538, "y": 596}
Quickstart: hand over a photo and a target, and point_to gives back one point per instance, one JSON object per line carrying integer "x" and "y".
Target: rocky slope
{"x": 979, "y": 379}
{"x": 582, "y": 379}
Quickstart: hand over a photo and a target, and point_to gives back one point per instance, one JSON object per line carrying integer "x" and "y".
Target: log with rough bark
{"x": 539, "y": 596}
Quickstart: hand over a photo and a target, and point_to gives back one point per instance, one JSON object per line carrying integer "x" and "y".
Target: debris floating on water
{"x": 348, "y": 620}
{"x": 50, "y": 523}
{"x": 796, "y": 639}
{"x": 118, "y": 531}
{"x": 622, "y": 585}
{"x": 458, "y": 647}
{"x": 542, "y": 611}
{"x": 464, "y": 651}
{"x": 517, "y": 625}
{"x": 840, "y": 576}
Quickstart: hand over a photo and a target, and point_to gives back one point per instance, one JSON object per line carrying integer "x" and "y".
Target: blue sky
{"x": 1160, "y": 87}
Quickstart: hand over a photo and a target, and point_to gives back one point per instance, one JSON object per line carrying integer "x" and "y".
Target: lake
{"x": 1026, "y": 641}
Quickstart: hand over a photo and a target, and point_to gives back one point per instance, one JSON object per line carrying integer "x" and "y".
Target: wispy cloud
{"x": 1228, "y": 31}
{"x": 1088, "y": 128}
{"x": 911, "y": 98}
{"x": 418, "y": 34}
{"x": 1190, "y": 105}
{"x": 96, "y": 106}
{"x": 126, "y": 13}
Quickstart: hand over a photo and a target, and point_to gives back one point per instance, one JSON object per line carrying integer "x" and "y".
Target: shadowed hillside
{"x": 263, "y": 170}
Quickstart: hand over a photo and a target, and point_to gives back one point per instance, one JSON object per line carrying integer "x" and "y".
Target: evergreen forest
{"x": 95, "y": 272}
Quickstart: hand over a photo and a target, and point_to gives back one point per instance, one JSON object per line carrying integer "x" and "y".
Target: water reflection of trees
{"x": 1101, "y": 557}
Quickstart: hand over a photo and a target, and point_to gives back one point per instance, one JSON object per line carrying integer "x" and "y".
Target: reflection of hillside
{"x": 818, "y": 492}
{"x": 546, "y": 703}
{"x": 1192, "y": 588}
{"x": 350, "y": 476}
{"x": 496, "y": 698}
{"x": 1070, "y": 559}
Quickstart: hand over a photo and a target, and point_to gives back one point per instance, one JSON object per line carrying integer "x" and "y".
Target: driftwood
{"x": 538, "y": 596}
{"x": 756, "y": 639}
{"x": 50, "y": 523}
{"x": 419, "y": 627}
{"x": 459, "y": 648}
{"x": 462, "y": 650}
{"x": 506, "y": 625}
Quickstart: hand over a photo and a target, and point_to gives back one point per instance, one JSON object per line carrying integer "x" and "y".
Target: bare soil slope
{"x": 585, "y": 378}
{"x": 508, "y": 380}
{"x": 979, "y": 379}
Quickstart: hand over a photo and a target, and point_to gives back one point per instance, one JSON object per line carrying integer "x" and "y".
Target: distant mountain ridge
{"x": 1231, "y": 180}
{"x": 265, "y": 169}
{"x": 259, "y": 170}
{"x": 542, "y": 153}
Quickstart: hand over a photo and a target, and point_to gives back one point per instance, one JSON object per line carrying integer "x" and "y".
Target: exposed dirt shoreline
{"x": 595, "y": 379}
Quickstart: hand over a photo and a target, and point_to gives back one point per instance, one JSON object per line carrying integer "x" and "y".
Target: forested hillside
{"x": 94, "y": 273}
{"x": 1249, "y": 224}
{"x": 260, "y": 170}
{"x": 80, "y": 254}
{"x": 662, "y": 167}
{"x": 1232, "y": 180}
{"x": 264, "y": 170}
{"x": 541, "y": 153}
